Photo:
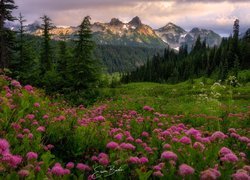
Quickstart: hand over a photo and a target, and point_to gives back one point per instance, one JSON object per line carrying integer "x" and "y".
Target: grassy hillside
{"x": 144, "y": 131}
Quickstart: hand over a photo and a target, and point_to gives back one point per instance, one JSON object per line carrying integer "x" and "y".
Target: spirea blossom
{"x": 185, "y": 170}
{"x": 168, "y": 155}
{"x": 112, "y": 145}
{"x": 31, "y": 155}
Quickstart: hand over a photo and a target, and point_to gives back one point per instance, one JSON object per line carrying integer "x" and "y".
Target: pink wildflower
{"x": 37, "y": 168}
{"x": 41, "y": 129}
{"x": 30, "y": 116}
{"x": 27, "y": 131}
{"x": 4, "y": 146}
{"x": 185, "y": 170}
{"x": 28, "y": 88}
{"x": 224, "y": 150}
{"x": 247, "y": 168}
{"x": 50, "y": 146}
{"x": 139, "y": 141}
{"x": 12, "y": 160}
{"x": 240, "y": 176}
{"x": 103, "y": 161}
{"x": 45, "y": 116}
{"x": 30, "y": 136}
{"x": 199, "y": 146}
{"x": 16, "y": 84}
{"x": 168, "y": 155}
{"x": 145, "y": 134}
{"x": 134, "y": 160}
{"x": 230, "y": 157}
{"x": 127, "y": 146}
{"x": 157, "y": 168}
{"x": 144, "y": 160}
{"x": 83, "y": 167}
{"x": 20, "y": 136}
{"x": 99, "y": 118}
{"x": 217, "y": 135}
{"x": 31, "y": 155}
{"x": 70, "y": 165}
{"x": 166, "y": 133}
{"x": 211, "y": 174}
{"x": 94, "y": 158}
{"x": 158, "y": 174}
{"x": 103, "y": 155}
{"x": 185, "y": 140}
{"x": 15, "y": 126}
{"x": 23, "y": 173}
{"x": 167, "y": 146}
{"x": 118, "y": 136}
{"x": 130, "y": 138}
{"x": 36, "y": 104}
{"x": 66, "y": 171}
{"x": 244, "y": 139}
{"x": 148, "y": 108}
{"x": 57, "y": 170}
{"x": 112, "y": 145}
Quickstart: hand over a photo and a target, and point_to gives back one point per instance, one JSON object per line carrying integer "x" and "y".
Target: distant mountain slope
{"x": 176, "y": 36}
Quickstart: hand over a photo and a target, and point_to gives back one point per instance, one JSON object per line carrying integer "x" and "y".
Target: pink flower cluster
{"x": 210, "y": 173}
{"x": 185, "y": 170}
{"x": 136, "y": 160}
{"x": 227, "y": 155}
{"x": 127, "y": 146}
{"x": 31, "y": 155}
{"x": 169, "y": 155}
{"x": 112, "y": 145}
{"x": 29, "y": 88}
{"x": 5, "y": 155}
{"x": 58, "y": 170}
{"x": 148, "y": 108}
{"x": 82, "y": 167}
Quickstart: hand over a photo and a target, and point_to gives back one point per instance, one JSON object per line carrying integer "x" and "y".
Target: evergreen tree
{"x": 85, "y": 69}
{"x": 46, "y": 54}
{"x": 19, "y": 63}
{"x": 6, "y": 35}
{"x": 21, "y": 33}
{"x": 198, "y": 45}
{"x": 236, "y": 29}
{"x": 247, "y": 36}
{"x": 64, "y": 58}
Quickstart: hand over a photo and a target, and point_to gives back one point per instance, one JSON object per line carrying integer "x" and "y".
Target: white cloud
{"x": 218, "y": 15}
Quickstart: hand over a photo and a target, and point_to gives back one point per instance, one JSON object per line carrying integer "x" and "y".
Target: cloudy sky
{"x": 217, "y": 15}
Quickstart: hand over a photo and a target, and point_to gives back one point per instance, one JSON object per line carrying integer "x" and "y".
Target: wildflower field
{"x": 192, "y": 130}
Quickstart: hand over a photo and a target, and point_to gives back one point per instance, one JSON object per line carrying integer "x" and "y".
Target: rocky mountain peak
{"x": 135, "y": 21}
{"x": 115, "y": 22}
{"x": 197, "y": 30}
{"x": 171, "y": 26}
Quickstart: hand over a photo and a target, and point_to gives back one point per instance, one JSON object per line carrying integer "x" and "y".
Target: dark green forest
{"x": 229, "y": 58}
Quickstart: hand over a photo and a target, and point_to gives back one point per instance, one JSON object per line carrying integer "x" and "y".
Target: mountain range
{"x": 133, "y": 33}
{"x": 176, "y": 36}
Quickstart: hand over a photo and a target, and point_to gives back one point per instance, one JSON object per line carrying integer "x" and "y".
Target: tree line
{"x": 229, "y": 58}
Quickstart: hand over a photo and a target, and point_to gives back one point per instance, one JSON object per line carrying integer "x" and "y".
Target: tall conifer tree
{"x": 6, "y": 35}
{"x": 85, "y": 69}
